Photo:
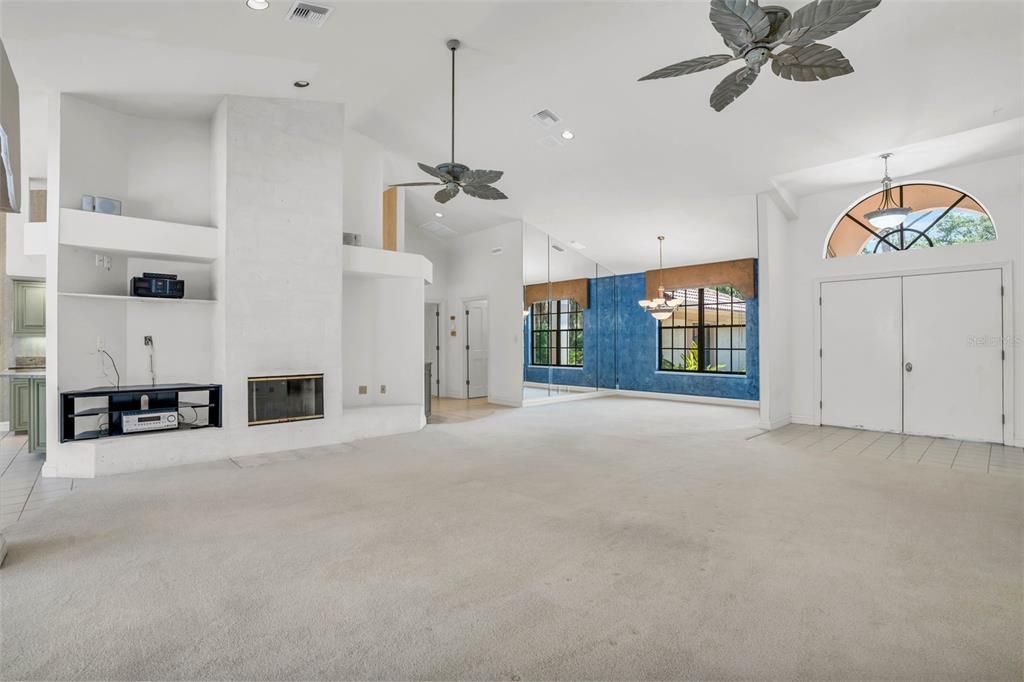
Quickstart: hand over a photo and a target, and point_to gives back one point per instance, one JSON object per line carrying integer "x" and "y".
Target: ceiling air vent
{"x": 546, "y": 118}
{"x": 438, "y": 229}
{"x": 309, "y": 14}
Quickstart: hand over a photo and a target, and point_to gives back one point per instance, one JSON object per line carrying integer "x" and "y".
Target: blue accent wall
{"x": 620, "y": 348}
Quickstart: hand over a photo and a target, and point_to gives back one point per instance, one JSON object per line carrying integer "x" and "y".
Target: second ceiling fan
{"x": 455, "y": 177}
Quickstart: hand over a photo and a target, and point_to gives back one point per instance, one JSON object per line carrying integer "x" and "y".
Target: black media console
{"x": 96, "y": 412}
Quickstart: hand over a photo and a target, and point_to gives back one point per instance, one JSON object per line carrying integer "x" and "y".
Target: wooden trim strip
{"x": 736, "y": 273}
{"x": 574, "y": 289}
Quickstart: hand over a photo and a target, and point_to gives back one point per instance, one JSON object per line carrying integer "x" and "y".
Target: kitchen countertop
{"x": 27, "y": 373}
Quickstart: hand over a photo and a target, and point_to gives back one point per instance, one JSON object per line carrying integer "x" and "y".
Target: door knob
{"x": 909, "y": 367}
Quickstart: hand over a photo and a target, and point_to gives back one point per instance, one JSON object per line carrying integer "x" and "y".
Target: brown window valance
{"x": 574, "y": 289}
{"x": 736, "y": 273}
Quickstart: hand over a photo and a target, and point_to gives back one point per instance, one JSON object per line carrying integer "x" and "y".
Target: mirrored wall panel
{"x": 567, "y": 297}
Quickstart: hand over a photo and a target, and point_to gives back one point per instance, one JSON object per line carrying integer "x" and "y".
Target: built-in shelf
{"x": 139, "y": 299}
{"x": 138, "y": 236}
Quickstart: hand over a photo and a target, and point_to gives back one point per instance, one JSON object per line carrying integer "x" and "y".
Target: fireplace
{"x": 278, "y": 399}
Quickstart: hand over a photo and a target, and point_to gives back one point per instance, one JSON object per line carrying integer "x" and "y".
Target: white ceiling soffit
{"x": 649, "y": 158}
{"x": 914, "y": 160}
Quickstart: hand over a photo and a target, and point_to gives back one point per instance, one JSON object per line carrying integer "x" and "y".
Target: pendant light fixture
{"x": 661, "y": 308}
{"x": 889, "y": 214}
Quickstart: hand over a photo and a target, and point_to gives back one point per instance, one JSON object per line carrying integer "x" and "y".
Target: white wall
{"x": 282, "y": 283}
{"x": 473, "y": 272}
{"x": 34, "y": 143}
{"x": 363, "y": 185}
{"x": 159, "y": 168}
{"x": 379, "y": 341}
{"x": 997, "y": 184}
{"x": 774, "y": 319}
{"x": 438, "y": 253}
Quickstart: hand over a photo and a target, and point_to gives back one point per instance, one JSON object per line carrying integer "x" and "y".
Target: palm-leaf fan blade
{"x": 481, "y": 177}
{"x": 417, "y": 184}
{"x": 820, "y": 19}
{"x": 447, "y": 194}
{"x": 731, "y": 87}
{"x": 814, "y": 62}
{"x": 484, "y": 192}
{"x": 430, "y": 170}
{"x": 739, "y": 22}
{"x": 690, "y": 66}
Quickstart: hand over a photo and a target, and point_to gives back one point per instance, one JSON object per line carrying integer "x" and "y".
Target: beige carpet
{"x": 602, "y": 539}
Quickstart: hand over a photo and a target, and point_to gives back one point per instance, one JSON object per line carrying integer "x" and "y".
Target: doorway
{"x": 432, "y": 344}
{"x": 477, "y": 330}
{"x": 915, "y": 354}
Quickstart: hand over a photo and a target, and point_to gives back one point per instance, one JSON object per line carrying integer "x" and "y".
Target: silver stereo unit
{"x": 134, "y": 421}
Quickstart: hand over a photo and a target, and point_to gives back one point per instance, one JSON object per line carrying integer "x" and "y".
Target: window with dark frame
{"x": 707, "y": 334}
{"x": 556, "y": 333}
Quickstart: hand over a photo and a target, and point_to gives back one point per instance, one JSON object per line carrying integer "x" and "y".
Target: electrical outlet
{"x": 383, "y": 388}
{"x": 147, "y": 340}
{"x": 362, "y": 390}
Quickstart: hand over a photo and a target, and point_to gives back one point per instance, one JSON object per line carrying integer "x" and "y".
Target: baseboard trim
{"x": 685, "y": 398}
{"x": 803, "y": 419}
{"x": 505, "y": 403}
{"x": 5, "y": 427}
{"x": 567, "y": 397}
{"x": 776, "y": 424}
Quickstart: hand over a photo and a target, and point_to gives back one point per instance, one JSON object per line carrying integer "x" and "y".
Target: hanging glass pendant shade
{"x": 889, "y": 213}
{"x": 661, "y": 308}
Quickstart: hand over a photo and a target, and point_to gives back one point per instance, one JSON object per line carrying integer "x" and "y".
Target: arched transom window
{"x": 940, "y": 216}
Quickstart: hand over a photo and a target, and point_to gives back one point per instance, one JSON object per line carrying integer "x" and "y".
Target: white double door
{"x": 916, "y": 354}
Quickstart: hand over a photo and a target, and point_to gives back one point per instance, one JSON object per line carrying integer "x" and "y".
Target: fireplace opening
{"x": 278, "y": 399}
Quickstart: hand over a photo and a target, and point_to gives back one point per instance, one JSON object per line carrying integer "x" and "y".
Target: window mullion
{"x": 700, "y": 330}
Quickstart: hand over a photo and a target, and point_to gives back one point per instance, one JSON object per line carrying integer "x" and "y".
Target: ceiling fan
{"x": 753, "y": 33}
{"x": 456, "y": 177}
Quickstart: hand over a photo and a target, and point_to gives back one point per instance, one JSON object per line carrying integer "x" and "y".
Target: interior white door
{"x": 861, "y": 377}
{"x": 476, "y": 349}
{"x": 952, "y": 353}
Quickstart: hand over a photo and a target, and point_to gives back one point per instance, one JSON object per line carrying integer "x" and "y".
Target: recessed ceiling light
{"x": 438, "y": 214}
{"x": 568, "y": 134}
{"x": 301, "y": 84}
{"x": 257, "y": 4}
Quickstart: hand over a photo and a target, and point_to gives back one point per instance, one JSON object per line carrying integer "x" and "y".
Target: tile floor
{"x": 22, "y": 490}
{"x": 453, "y": 410}
{"x": 980, "y": 458}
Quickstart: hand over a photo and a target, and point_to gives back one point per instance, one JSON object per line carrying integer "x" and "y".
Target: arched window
{"x": 940, "y": 216}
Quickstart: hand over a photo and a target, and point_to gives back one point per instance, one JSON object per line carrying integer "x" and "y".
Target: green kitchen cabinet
{"x": 20, "y": 405}
{"x": 37, "y": 415}
{"x": 29, "y": 308}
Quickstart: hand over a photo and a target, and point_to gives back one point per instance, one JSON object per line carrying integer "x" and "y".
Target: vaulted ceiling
{"x": 648, "y": 158}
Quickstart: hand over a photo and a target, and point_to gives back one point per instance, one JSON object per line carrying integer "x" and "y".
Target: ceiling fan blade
{"x": 481, "y": 177}
{"x": 430, "y": 170}
{"x": 415, "y": 184}
{"x": 814, "y": 62}
{"x": 734, "y": 85}
{"x": 484, "y": 192}
{"x": 740, "y": 22}
{"x": 690, "y": 66}
{"x": 820, "y": 19}
{"x": 447, "y": 194}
